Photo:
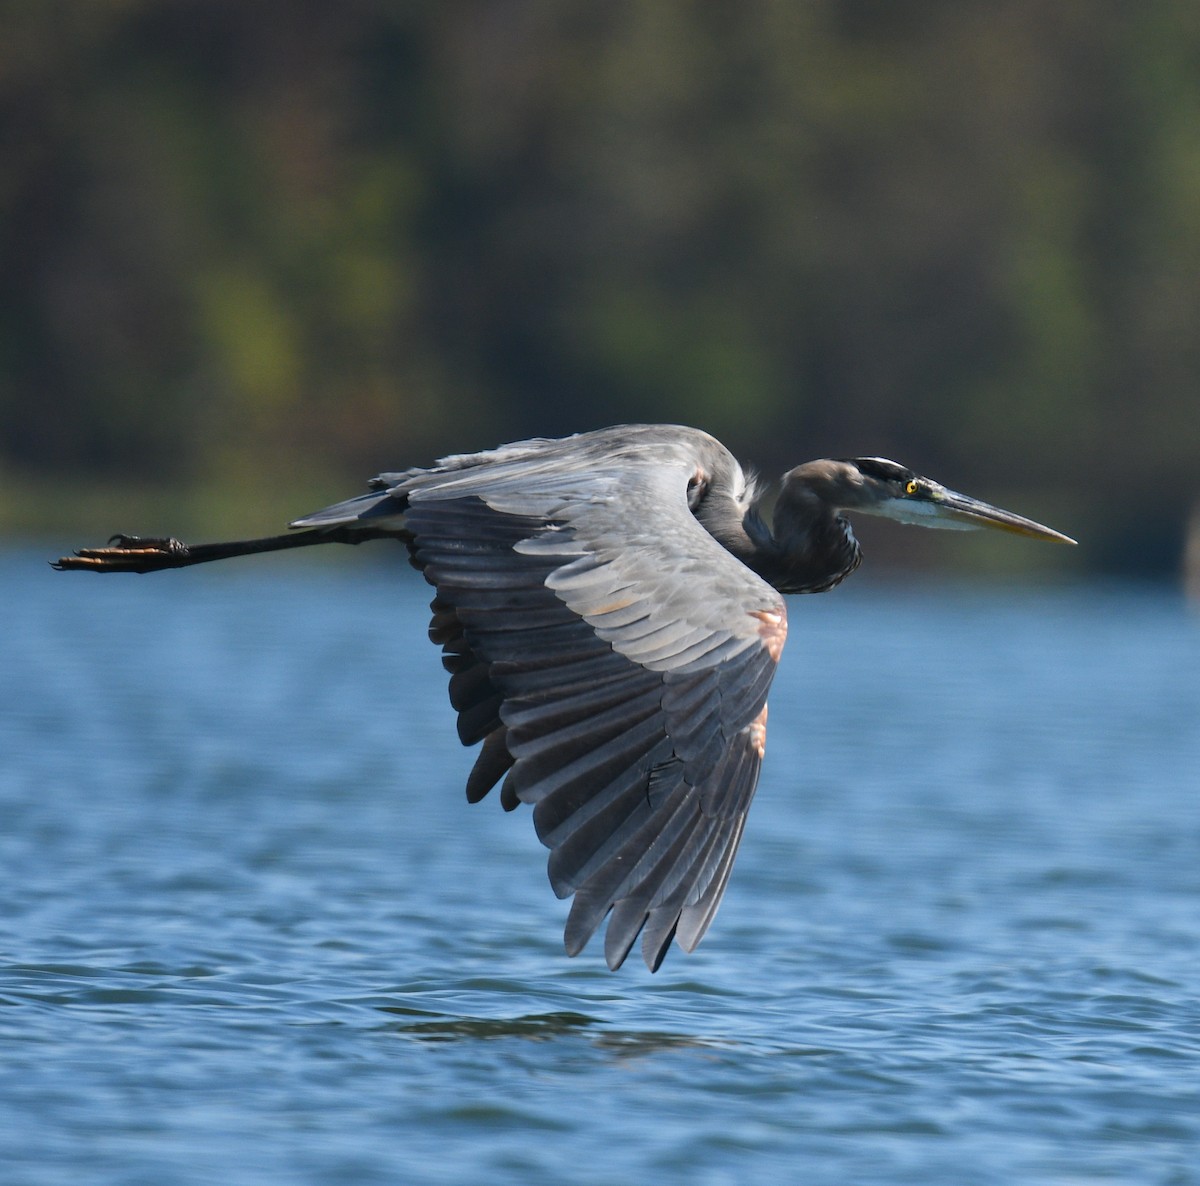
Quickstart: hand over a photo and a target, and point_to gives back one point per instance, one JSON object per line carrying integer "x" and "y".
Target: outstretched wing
{"x": 614, "y": 660}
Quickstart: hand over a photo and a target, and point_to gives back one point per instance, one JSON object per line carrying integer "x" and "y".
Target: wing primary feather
{"x": 656, "y": 939}
{"x": 588, "y": 731}
{"x": 493, "y": 762}
{"x": 469, "y": 684}
{"x": 610, "y": 881}
{"x": 660, "y": 885}
{"x": 534, "y": 784}
{"x": 577, "y": 820}
{"x": 592, "y": 841}
{"x": 694, "y": 920}
{"x": 479, "y": 720}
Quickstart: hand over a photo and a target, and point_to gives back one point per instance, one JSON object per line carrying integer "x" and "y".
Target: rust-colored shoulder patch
{"x": 772, "y": 629}
{"x": 757, "y": 729}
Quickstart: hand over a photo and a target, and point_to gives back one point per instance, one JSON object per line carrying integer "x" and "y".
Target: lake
{"x": 251, "y": 931}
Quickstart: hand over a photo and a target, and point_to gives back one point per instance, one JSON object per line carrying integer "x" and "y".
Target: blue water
{"x": 251, "y": 932}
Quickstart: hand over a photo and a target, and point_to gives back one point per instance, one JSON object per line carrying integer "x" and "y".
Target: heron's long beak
{"x": 962, "y": 510}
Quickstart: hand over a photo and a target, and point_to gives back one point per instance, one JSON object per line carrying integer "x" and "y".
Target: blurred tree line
{"x": 251, "y": 251}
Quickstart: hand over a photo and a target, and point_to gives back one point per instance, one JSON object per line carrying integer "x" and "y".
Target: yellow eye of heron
{"x": 911, "y": 486}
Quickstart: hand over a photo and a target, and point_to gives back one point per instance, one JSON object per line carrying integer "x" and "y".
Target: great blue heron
{"x": 609, "y": 611}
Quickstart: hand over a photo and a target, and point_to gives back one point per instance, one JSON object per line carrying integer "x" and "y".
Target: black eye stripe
{"x": 882, "y": 469}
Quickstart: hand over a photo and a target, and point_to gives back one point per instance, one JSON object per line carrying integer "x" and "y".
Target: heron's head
{"x": 877, "y": 486}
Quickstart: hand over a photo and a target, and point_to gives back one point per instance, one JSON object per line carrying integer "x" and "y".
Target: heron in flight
{"x": 609, "y": 610}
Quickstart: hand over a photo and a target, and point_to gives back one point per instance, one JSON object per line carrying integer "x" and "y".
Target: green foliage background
{"x": 253, "y": 252}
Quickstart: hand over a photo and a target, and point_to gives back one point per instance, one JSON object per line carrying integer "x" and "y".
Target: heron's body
{"x": 609, "y": 607}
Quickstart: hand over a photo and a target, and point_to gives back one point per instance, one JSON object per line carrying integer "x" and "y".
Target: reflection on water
{"x": 539, "y": 1027}
{"x": 545, "y": 1027}
{"x": 238, "y": 865}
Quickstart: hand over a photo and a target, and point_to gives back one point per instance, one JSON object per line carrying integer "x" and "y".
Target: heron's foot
{"x": 127, "y": 553}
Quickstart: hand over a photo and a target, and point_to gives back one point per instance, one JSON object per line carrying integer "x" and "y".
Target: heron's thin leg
{"x": 132, "y": 553}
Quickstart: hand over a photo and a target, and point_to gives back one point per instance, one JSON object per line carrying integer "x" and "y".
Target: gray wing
{"x": 614, "y": 660}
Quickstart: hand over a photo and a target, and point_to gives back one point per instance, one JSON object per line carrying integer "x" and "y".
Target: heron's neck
{"x": 810, "y": 549}
{"x": 809, "y": 555}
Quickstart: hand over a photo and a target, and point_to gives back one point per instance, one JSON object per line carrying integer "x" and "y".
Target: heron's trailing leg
{"x": 132, "y": 553}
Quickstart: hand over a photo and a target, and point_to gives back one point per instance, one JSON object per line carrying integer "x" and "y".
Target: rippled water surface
{"x": 251, "y": 932}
